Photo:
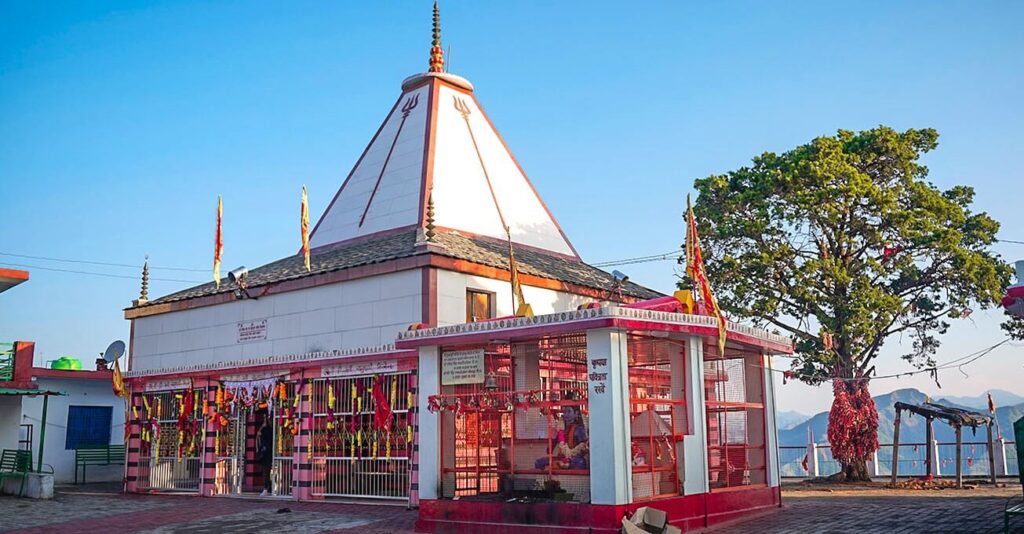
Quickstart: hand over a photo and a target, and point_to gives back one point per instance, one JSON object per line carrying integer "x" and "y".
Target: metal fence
{"x": 281, "y": 475}
{"x": 796, "y": 461}
{"x": 6, "y": 361}
{"x": 386, "y": 478}
{"x": 170, "y": 474}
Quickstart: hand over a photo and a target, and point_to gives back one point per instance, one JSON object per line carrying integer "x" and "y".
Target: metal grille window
{"x": 88, "y": 426}
{"x": 734, "y": 390}
{"x": 162, "y": 466}
{"x": 356, "y": 450}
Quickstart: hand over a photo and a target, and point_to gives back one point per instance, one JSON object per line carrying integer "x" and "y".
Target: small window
{"x": 479, "y": 305}
{"x": 88, "y": 426}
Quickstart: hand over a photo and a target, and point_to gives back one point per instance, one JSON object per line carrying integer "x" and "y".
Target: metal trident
{"x": 461, "y": 107}
{"x": 410, "y": 104}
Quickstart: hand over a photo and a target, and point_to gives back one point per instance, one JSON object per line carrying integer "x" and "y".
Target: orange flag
{"x": 695, "y": 268}
{"x": 305, "y": 227}
{"x": 218, "y": 243}
{"x": 118, "y": 382}
{"x": 523, "y": 309}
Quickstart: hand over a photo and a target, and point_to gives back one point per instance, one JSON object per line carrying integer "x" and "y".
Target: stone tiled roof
{"x": 531, "y": 261}
{"x": 403, "y": 245}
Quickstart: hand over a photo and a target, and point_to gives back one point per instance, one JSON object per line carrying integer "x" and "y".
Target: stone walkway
{"x": 868, "y": 511}
{"x": 72, "y": 513}
{"x": 866, "y": 514}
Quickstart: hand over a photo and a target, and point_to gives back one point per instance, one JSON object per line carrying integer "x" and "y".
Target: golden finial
{"x": 430, "y": 217}
{"x": 436, "y": 52}
{"x": 144, "y": 291}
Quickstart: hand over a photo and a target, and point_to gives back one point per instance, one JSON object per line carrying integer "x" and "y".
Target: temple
{"x": 396, "y": 366}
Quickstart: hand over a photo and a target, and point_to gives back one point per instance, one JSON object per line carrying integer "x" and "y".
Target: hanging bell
{"x": 491, "y": 382}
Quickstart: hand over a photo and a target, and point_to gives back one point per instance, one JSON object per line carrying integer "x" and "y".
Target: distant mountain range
{"x": 1009, "y": 408}
{"x": 788, "y": 419}
{"x": 980, "y": 402}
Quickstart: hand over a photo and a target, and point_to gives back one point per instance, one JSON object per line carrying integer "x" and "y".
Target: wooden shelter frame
{"x": 957, "y": 419}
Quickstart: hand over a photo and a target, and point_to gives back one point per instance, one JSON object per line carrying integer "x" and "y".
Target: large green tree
{"x": 843, "y": 244}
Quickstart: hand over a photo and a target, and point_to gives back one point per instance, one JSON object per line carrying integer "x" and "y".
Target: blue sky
{"x": 121, "y": 122}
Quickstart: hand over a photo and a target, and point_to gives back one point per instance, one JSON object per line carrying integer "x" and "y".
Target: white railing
{"x": 386, "y": 478}
{"x": 974, "y": 457}
{"x": 170, "y": 474}
{"x": 281, "y": 475}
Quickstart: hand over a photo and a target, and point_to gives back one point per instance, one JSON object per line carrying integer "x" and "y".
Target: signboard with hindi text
{"x": 359, "y": 368}
{"x": 252, "y": 331}
{"x": 462, "y": 367}
{"x": 168, "y": 384}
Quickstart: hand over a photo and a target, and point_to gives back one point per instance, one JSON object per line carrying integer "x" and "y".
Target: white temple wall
{"x": 451, "y": 297}
{"x": 355, "y": 313}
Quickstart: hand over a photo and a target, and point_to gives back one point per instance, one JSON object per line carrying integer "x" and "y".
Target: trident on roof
{"x": 436, "y": 52}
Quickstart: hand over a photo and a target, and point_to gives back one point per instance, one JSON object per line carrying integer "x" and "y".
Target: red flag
{"x": 804, "y": 462}
{"x": 991, "y": 404}
{"x": 695, "y": 268}
{"x": 218, "y": 243}
{"x": 382, "y": 410}
{"x": 304, "y": 224}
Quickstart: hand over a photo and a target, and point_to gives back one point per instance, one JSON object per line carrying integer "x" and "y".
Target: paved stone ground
{"x": 866, "y": 514}
{"x": 77, "y": 510}
{"x": 90, "y": 510}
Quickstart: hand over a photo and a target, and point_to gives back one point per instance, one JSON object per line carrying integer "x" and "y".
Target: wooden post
{"x": 959, "y": 456}
{"x": 896, "y": 447}
{"x": 991, "y": 455}
{"x": 929, "y": 458}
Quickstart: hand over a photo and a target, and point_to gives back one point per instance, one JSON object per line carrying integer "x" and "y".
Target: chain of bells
{"x": 494, "y": 401}
{"x": 336, "y": 432}
{"x": 188, "y": 427}
{"x": 351, "y": 433}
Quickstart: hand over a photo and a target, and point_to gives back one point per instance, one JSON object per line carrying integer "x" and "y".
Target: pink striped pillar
{"x": 208, "y": 479}
{"x": 413, "y": 448}
{"x": 134, "y": 444}
{"x": 301, "y": 459}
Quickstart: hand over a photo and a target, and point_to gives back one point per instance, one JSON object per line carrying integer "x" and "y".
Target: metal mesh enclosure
{"x": 522, "y": 434}
{"x": 734, "y": 393}
{"x": 657, "y": 415}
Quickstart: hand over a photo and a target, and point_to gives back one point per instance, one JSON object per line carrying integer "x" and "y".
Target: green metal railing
{"x": 6, "y": 361}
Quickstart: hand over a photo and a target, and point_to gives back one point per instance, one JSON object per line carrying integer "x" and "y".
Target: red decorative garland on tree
{"x": 852, "y": 422}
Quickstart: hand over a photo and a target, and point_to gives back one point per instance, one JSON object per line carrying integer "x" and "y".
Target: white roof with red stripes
{"x": 438, "y": 143}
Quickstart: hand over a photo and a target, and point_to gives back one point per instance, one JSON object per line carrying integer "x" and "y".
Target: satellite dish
{"x": 114, "y": 351}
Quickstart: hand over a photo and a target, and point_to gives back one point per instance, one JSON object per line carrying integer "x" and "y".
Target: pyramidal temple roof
{"x": 438, "y": 142}
{"x": 437, "y": 146}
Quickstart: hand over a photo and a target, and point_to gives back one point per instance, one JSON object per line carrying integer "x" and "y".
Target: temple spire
{"x": 436, "y": 52}
{"x": 430, "y": 217}
{"x": 144, "y": 290}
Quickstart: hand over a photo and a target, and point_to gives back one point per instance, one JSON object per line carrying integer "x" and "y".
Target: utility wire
{"x": 640, "y": 259}
{"x": 671, "y": 255}
{"x": 956, "y": 362}
{"x": 108, "y": 264}
{"x": 108, "y": 275}
{"x": 677, "y": 253}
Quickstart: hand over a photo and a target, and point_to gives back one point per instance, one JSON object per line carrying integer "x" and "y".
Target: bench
{"x": 97, "y": 455}
{"x": 15, "y": 463}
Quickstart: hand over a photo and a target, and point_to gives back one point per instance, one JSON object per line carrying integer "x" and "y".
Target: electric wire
{"x": 670, "y": 255}
{"x": 104, "y": 263}
{"x": 106, "y": 275}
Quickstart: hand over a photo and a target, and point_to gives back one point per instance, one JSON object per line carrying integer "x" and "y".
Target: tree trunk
{"x": 856, "y": 471}
{"x": 852, "y": 428}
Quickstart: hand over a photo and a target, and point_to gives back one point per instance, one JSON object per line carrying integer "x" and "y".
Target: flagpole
{"x": 218, "y": 242}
